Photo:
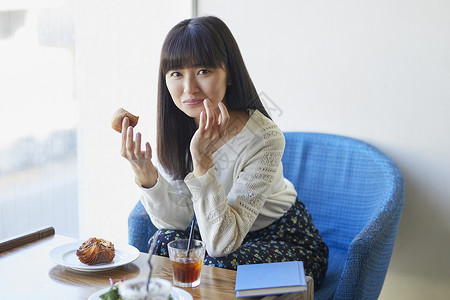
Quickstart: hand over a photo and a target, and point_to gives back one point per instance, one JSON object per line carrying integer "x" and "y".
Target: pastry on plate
{"x": 96, "y": 251}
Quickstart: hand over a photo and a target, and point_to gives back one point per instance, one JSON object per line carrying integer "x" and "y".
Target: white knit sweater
{"x": 244, "y": 191}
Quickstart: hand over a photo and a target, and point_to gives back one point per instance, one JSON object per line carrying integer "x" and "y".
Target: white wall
{"x": 117, "y": 60}
{"x": 374, "y": 70}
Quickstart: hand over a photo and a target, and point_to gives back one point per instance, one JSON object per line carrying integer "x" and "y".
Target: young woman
{"x": 219, "y": 159}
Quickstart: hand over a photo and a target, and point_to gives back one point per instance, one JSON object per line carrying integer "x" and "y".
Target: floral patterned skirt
{"x": 291, "y": 237}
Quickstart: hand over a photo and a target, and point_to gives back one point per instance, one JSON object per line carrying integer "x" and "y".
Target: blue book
{"x": 270, "y": 279}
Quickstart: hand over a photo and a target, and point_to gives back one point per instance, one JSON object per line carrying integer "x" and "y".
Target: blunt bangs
{"x": 192, "y": 46}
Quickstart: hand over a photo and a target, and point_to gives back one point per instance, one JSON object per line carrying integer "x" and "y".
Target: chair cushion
{"x": 336, "y": 262}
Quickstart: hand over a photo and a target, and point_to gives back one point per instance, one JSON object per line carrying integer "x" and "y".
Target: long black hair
{"x": 197, "y": 42}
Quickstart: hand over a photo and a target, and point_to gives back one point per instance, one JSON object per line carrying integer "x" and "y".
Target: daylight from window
{"x": 38, "y": 126}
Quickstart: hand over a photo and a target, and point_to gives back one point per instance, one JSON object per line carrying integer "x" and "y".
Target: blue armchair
{"x": 355, "y": 195}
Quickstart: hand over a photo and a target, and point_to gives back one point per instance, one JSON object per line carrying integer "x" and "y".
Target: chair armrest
{"x": 370, "y": 251}
{"x": 140, "y": 228}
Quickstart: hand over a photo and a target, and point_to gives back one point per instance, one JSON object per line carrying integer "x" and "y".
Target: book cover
{"x": 270, "y": 279}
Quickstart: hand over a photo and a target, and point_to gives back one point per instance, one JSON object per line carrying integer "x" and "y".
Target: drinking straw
{"x": 152, "y": 247}
{"x": 190, "y": 238}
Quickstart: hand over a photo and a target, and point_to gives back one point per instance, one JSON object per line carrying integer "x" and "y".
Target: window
{"x": 59, "y": 159}
{"x": 38, "y": 126}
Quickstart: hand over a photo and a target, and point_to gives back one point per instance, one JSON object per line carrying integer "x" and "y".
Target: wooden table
{"x": 27, "y": 272}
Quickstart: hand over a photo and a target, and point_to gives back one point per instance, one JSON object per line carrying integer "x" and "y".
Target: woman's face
{"x": 189, "y": 87}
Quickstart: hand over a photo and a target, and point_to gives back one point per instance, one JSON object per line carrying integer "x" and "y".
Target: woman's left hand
{"x": 208, "y": 137}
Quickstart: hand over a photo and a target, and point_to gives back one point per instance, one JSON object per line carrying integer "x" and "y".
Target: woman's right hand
{"x": 141, "y": 161}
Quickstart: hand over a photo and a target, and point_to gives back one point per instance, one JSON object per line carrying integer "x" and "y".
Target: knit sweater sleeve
{"x": 225, "y": 219}
{"x": 168, "y": 203}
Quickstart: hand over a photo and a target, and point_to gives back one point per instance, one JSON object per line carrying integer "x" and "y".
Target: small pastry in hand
{"x": 95, "y": 251}
{"x": 118, "y": 117}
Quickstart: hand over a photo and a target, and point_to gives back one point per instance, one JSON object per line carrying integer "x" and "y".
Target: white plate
{"x": 176, "y": 293}
{"x": 65, "y": 255}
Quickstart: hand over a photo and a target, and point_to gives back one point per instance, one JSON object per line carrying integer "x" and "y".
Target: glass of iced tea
{"x": 186, "y": 269}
